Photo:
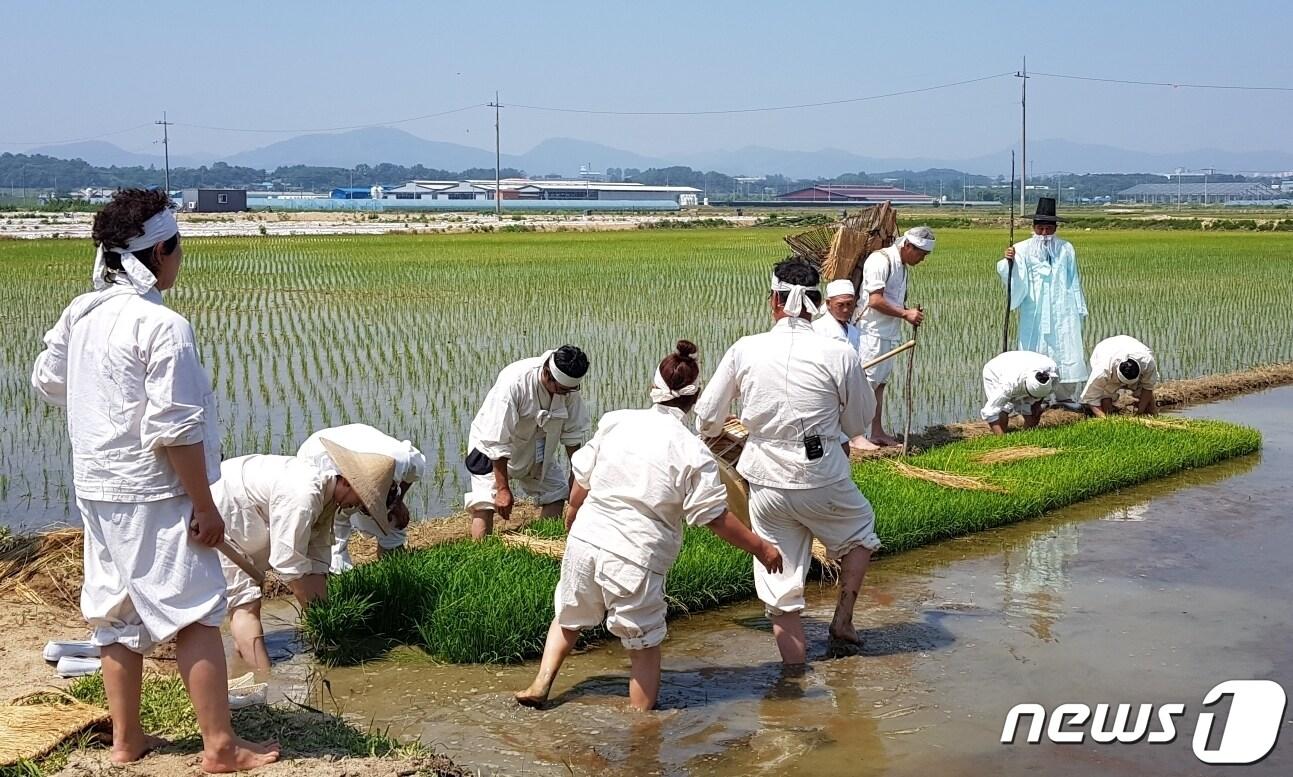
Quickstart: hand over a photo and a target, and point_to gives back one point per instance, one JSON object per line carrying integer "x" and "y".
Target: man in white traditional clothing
{"x": 837, "y": 323}
{"x": 532, "y": 410}
{"x": 884, "y": 309}
{"x": 1041, "y": 274}
{"x": 1121, "y": 363}
{"x": 279, "y": 512}
{"x": 640, "y": 480}
{"x": 1017, "y": 381}
{"x": 799, "y": 392}
{"x": 410, "y": 467}
{"x": 145, "y": 446}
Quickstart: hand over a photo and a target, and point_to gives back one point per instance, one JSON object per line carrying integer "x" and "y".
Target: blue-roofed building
{"x": 352, "y": 193}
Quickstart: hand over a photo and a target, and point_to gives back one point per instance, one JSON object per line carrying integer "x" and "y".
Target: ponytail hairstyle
{"x": 680, "y": 369}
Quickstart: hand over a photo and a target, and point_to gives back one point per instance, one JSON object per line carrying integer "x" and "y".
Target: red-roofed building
{"x": 829, "y": 192}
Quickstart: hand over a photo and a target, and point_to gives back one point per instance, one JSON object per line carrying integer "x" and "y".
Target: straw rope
{"x": 946, "y": 479}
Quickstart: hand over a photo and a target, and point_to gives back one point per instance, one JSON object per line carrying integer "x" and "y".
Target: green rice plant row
{"x": 488, "y": 602}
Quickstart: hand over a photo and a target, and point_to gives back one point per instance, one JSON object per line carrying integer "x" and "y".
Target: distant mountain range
{"x": 565, "y": 156}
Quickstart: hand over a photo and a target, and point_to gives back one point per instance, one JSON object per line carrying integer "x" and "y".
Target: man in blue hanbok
{"x": 1042, "y": 275}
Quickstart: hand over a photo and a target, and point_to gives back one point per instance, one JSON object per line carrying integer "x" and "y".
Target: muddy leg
{"x": 843, "y": 635}
{"x": 788, "y": 630}
{"x": 559, "y": 644}
{"x": 249, "y": 635}
{"x": 644, "y": 678}
{"x": 482, "y": 524}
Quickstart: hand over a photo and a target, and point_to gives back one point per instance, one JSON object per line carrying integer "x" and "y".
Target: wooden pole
{"x": 907, "y": 346}
{"x": 907, "y": 389}
{"x": 1010, "y": 263}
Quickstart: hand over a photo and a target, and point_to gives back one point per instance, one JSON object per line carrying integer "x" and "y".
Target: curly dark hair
{"x": 572, "y": 361}
{"x": 798, "y": 272}
{"x": 122, "y": 220}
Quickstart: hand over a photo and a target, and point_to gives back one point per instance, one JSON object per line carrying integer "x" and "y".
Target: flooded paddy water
{"x": 1151, "y": 595}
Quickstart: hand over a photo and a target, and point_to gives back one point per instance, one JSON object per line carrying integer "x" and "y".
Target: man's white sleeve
{"x": 49, "y": 375}
{"x": 716, "y": 400}
{"x": 293, "y": 510}
{"x": 857, "y": 399}
{"x": 875, "y": 272}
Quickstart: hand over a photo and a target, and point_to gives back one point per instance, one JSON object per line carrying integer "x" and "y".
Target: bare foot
{"x": 861, "y": 443}
{"x": 134, "y": 749}
{"x": 843, "y": 642}
{"x": 239, "y": 756}
{"x": 884, "y": 439}
{"x": 532, "y": 698}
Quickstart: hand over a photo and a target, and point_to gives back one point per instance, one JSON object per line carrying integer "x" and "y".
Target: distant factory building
{"x": 542, "y": 189}
{"x": 1199, "y": 192}
{"x": 213, "y": 200}
{"x": 856, "y": 193}
{"x": 352, "y": 193}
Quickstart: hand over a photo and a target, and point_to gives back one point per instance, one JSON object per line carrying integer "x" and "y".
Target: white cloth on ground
{"x": 520, "y": 421}
{"x": 837, "y": 514}
{"x": 883, "y": 271}
{"x": 647, "y": 475}
{"x": 596, "y": 584}
{"x": 127, "y": 369}
{"x": 847, "y": 332}
{"x": 871, "y": 347}
{"x": 1005, "y": 382}
{"x": 279, "y": 511}
{"x": 791, "y": 382}
{"x": 1105, "y": 358}
{"x": 410, "y": 467}
{"x": 145, "y": 577}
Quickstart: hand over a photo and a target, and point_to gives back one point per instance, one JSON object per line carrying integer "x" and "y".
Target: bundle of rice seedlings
{"x": 1162, "y": 423}
{"x": 1015, "y": 453}
{"x": 945, "y": 479}
{"x": 542, "y": 546}
{"x": 33, "y": 726}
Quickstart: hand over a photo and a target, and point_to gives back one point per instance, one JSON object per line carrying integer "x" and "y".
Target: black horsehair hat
{"x": 1046, "y": 211}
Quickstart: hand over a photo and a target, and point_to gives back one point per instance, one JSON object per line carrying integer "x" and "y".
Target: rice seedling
{"x": 492, "y": 601}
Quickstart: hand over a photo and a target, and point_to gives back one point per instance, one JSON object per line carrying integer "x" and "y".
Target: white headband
{"x": 660, "y": 391}
{"x": 840, "y": 288}
{"x": 923, "y": 243}
{"x": 160, "y": 228}
{"x": 797, "y": 300}
{"x": 560, "y": 376}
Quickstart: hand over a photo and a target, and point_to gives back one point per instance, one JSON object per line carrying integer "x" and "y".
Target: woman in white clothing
{"x": 642, "y": 478}
{"x": 145, "y": 448}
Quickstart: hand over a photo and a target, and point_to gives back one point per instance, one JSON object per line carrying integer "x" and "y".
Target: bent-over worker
{"x": 638, "y": 482}
{"x": 279, "y": 511}
{"x": 884, "y": 308}
{"x": 798, "y": 391}
{"x": 410, "y": 467}
{"x": 1017, "y": 381}
{"x": 1121, "y": 363}
{"x": 532, "y": 410}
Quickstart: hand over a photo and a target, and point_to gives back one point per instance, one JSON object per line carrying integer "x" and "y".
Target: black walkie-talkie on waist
{"x": 813, "y": 446}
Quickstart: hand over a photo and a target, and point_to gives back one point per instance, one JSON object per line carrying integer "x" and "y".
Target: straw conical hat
{"x": 370, "y": 474}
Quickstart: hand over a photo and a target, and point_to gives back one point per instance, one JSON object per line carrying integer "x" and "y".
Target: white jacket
{"x": 646, "y": 476}
{"x": 410, "y": 464}
{"x": 1105, "y": 358}
{"x": 127, "y": 369}
{"x": 1005, "y": 381}
{"x": 791, "y": 382}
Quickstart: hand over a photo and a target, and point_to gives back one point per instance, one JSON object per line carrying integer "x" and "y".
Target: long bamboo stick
{"x": 907, "y": 346}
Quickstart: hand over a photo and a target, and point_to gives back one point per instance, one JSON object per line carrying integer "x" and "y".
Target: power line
{"x": 765, "y": 108}
{"x": 1173, "y": 84}
{"x": 335, "y": 129}
{"x": 74, "y": 140}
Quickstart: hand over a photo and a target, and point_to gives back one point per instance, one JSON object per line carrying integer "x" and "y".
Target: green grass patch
{"x": 165, "y": 711}
{"x": 488, "y": 602}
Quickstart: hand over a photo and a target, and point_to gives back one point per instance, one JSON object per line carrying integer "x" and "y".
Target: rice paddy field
{"x": 407, "y": 332}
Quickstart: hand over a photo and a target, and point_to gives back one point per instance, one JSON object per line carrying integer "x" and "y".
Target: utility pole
{"x": 1022, "y": 75}
{"x": 498, "y": 164}
{"x": 166, "y": 149}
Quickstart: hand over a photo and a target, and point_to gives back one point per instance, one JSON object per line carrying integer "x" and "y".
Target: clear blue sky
{"x": 77, "y": 69}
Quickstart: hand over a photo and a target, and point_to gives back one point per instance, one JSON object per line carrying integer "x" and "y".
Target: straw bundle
{"x": 858, "y": 236}
{"x": 540, "y": 546}
{"x": 1162, "y": 423}
{"x": 945, "y": 479}
{"x": 1017, "y": 453}
{"x": 45, "y": 565}
{"x": 31, "y": 730}
{"x": 814, "y": 244}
